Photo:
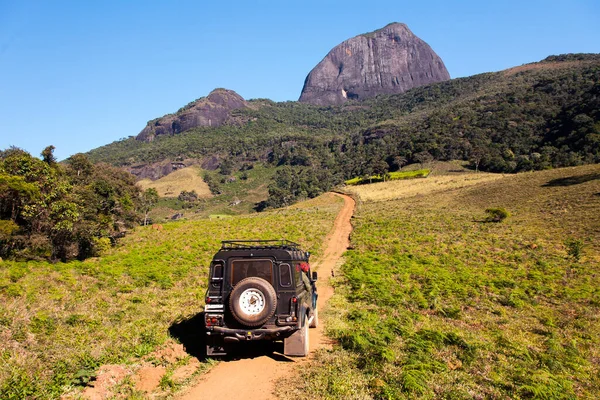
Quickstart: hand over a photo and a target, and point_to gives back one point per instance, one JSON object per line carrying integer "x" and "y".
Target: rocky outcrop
{"x": 387, "y": 61}
{"x": 213, "y": 110}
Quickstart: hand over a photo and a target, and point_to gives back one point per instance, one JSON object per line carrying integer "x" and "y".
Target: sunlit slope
{"x": 60, "y": 322}
{"x": 436, "y": 303}
{"x": 185, "y": 179}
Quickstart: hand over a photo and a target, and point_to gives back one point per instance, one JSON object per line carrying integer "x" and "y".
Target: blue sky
{"x": 81, "y": 74}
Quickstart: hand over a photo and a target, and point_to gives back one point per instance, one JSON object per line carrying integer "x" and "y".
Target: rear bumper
{"x": 238, "y": 335}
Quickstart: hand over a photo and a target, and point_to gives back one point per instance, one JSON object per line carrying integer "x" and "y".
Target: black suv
{"x": 260, "y": 290}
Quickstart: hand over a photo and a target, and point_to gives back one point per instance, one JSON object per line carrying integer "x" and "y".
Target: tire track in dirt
{"x": 254, "y": 377}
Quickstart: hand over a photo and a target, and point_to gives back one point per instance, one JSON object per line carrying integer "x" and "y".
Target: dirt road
{"x": 253, "y": 375}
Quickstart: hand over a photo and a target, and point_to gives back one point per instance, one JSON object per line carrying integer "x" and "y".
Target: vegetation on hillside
{"x": 61, "y": 212}
{"x": 533, "y": 117}
{"x": 435, "y": 302}
{"x": 60, "y": 322}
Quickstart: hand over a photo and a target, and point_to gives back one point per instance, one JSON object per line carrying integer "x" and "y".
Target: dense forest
{"x": 532, "y": 117}
{"x": 62, "y": 211}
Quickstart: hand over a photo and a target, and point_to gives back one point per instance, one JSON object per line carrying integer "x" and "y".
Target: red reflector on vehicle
{"x": 294, "y": 299}
{"x": 213, "y": 320}
{"x": 208, "y": 299}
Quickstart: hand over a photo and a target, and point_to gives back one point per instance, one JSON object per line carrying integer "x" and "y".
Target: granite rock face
{"x": 213, "y": 110}
{"x": 388, "y": 61}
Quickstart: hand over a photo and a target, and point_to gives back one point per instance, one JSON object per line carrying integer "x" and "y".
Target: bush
{"x": 496, "y": 214}
{"x": 574, "y": 248}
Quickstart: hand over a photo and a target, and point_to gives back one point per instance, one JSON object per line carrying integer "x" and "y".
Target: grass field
{"x": 436, "y": 303}
{"x": 60, "y": 322}
{"x": 398, "y": 189}
{"x": 187, "y": 179}
{"x": 392, "y": 176}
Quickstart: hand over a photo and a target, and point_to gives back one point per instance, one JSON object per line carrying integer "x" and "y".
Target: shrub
{"x": 574, "y": 248}
{"x": 496, "y": 214}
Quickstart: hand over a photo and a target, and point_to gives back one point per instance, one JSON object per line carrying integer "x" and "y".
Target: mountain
{"x": 213, "y": 110}
{"x": 388, "y": 61}
{"x": 534, "y": 116}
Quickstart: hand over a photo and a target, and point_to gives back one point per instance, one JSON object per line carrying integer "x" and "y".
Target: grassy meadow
{"x": 434, "y": 302}
{"x": 60, "y": 322}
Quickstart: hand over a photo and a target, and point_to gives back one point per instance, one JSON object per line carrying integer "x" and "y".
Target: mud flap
{"x": 215, "y": 347}
{"x": 297, "y": 344}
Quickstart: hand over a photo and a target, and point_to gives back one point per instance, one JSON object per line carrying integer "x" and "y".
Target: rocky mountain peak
{"x": 212, "y": 110}
{"x": 387, "y": 61}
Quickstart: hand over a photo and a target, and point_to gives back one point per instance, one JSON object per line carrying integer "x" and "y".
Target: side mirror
{"x": 314, "y": 276}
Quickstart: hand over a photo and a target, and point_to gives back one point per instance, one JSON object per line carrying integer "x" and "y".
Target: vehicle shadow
{"x": 572, "y": 180}
{"x": 190, "y": 332}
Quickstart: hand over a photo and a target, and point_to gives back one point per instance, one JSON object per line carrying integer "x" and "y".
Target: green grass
{"x": 392, "y": 176}
{"x": 60, "y": 322}
{"x": 435, "y": 302}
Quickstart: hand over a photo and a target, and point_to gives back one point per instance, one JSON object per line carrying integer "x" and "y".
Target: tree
{"x": 423, "y": 157}
{"x": 81, "y": 165}
{"x": 48, "y": 155}
{"x": 400, "y": 161}
{"x": 149, "y": 198}
{"x": 381, "y": 168}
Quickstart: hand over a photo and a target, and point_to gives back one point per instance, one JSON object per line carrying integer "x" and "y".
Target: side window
{"x": 285, "y": 275}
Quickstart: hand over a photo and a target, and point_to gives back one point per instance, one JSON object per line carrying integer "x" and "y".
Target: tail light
{"x": 214, "y": 320}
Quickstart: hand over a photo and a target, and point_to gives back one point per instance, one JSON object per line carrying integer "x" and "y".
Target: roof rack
{"x": 259, "y": 244}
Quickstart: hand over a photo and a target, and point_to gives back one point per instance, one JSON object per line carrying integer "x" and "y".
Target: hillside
{"x": 186, "y": 179}
{"x": 434, "y": 302}
{"x": 529, "y": 117}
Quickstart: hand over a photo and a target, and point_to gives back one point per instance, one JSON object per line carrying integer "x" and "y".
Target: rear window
{"x": 241, "y": 269}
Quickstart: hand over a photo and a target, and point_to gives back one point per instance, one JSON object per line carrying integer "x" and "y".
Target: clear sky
{"x": 81, "y": 74}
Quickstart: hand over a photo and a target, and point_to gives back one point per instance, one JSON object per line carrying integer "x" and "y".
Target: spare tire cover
{"x": 253, "y": 301}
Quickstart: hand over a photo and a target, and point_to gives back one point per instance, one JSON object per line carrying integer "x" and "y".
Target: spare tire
{"x": 253, "y": 301}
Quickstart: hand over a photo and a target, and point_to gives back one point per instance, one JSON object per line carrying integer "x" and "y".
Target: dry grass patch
{"x": 393, "y": 190}
{"x": 187, "y": 179}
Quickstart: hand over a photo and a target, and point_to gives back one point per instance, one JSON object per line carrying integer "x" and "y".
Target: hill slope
{"x": 436, "y": 303}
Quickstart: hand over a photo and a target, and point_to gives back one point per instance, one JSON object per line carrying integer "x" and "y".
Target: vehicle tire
{"x": 253, "y": 301}
{"x": 315, "y": 321}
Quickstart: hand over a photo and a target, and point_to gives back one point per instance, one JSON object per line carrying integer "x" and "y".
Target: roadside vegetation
{"x": 60, "y": 322}
{"x": 434, "y": 301}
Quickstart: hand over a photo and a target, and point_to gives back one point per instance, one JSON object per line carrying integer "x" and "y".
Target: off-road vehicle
{"x": 260, "y": 290}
